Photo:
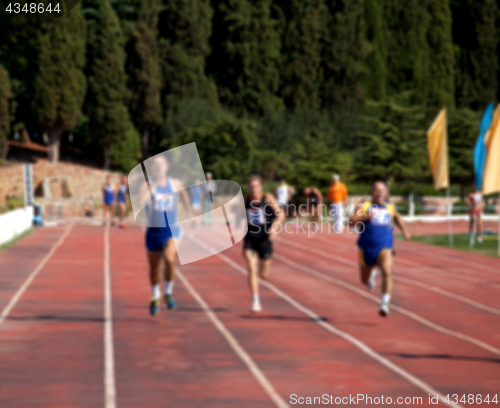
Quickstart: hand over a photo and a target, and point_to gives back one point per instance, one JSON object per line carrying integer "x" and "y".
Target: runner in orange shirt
{"x": 337, "y": 195}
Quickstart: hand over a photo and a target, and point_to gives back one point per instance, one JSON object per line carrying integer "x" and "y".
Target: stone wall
{"x": 71, "y": 185}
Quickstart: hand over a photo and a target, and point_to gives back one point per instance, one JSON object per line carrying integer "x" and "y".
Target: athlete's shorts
{"x": 476, "y": 211}
{"x": 264, "y": 247}
{"x": 369, "y": 257}
{"x": 196, "y": 206}
{"x": 157, "y": 237}
{"x": 120, "y": 199}
{"x": 108, "y": 201}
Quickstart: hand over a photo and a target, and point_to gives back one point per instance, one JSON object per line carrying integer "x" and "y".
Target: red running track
{"x": 319, "y": 332}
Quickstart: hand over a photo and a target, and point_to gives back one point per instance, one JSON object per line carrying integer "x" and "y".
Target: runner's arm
{"x": 398, "y": 220}
{"x": 280, "y": 216}
{"x": 359, "y": 214}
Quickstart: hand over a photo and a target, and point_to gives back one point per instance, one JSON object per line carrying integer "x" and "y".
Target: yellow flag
{"x": 491, "y": 177}
{"x": 437, "y": 145}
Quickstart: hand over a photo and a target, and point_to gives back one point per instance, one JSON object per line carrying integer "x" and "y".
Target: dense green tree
{"x": 463, "y": 130}
{"x": 126, "y": 152}
{"x": 246, "y": 55}
{"x": 314, "y": 160}
{"x": 441, "y": 85}
{"x": 108, "y": 94}
{"x": 5, "y": 114}
{"x": 144, "y": 68}
{"x": 303, "y": 41}
{"x": 226, "y": 147}
{"x": 396, "y": 148}
{"x": 185, "y": 28}
{"x": 475, "y": 35}
{"x": 59, "y": 85}
{"x": 406, "y": 24}
{"x": 375, "y": 63}
{"x": 344, "y": 55}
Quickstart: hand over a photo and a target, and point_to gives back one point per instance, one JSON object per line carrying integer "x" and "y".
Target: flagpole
{"x": 449, "y": 211}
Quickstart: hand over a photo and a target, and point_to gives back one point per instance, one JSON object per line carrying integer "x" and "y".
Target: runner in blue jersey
{"x": 121, "y": 199}
{"x": 108, "y": 200}
{"x": 375, "y": 242}
{"x": 163, "y": 193}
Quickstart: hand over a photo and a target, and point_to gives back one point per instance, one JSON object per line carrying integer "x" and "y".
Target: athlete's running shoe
{"x": 170, "y": 301}
{"x": 256, "y": 306}
{"x": 479, "y": 240}
{"x": 154, "y": 306}
{"x": 384, "y": 309}
{"x": 372, "y": 282}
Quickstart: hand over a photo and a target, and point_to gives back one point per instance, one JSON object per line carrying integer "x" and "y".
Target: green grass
{"x": 489, "y": 247}
{"x": 13, "y": 241}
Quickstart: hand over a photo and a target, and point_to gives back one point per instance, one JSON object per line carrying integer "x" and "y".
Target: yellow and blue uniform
{"x": 378, "y": 234}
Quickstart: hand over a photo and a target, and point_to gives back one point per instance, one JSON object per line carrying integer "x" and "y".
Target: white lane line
{"x": 400, "y": 278}
{"x": 13, "y": 301}
{"x": 109, "y": 354}
{"x": 431, "y": 253}
{"x": 422, "y": 266}
{"x": 235, "y": 345}
{"x": 399, "y": 309}
{"x": 351, "y": 339}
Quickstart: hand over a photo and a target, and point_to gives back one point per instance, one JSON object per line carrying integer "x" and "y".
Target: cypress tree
{"x": 185, "y": 28}
{"x": 344, "y": 54}
{"x": 59, "y": 85}
{"x": 475, "y": 34}
{"x": 301, "y": 70}
{"x": 406, "y": 26}
{"x": 440, "y": 85}
{"x": 375, "y": 64}
{"x": 145, "y": 72}
{"x": 246, "y": 55}
{"x": 5, "y": 95}
{"x": 108, "y": 94}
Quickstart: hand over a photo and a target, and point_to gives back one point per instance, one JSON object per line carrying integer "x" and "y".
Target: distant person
{"x": 314, "y": 199}
{"x": 283, "y": 195}
{"x": 196, "y": 197}
{"x": 475, "y": 202}
{"x": 37, "y": 216}
{"x": 263, "y": 214}
{"x": 376, "y": 241}
{"x": 121, "y": 199}
{"x": 209, "y": 189}
{"x": 108, "y": 200}
{"x": 337, "y": 196}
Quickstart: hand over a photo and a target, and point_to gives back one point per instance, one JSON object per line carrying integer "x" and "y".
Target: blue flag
{"x": 479, "y": 154}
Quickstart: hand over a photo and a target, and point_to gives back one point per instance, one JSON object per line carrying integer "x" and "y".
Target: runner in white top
{"x": 475, "y": 201}
{"x": 283, "y": 195}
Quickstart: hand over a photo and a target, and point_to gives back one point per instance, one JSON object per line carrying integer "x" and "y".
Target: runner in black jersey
{"x": 263, "y": 215}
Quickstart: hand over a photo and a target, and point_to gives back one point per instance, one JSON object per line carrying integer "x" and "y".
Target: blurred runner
{"x": 196, "y": 197}
{"x": 376, "y": 240}
{"x": 263, "y": 215}
{"x": 121, "y": 199}
{"x": 314, "y": 199}
{"x": 475, "y": 202}
{"x": 283, "y": 195}
{"x": 108, "y": 200}
{"x": 337, "y": 195}
{"x": 159, "y": 240}
{"x": 209, "y": 189}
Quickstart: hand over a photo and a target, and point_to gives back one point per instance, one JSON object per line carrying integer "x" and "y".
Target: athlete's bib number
{"x": 255, "y": 216}
{"x": 165, "y": 203}
{"x": 381, "y": 216}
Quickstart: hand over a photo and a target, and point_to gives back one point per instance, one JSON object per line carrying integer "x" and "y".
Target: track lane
{"x": 51, "y": 343}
